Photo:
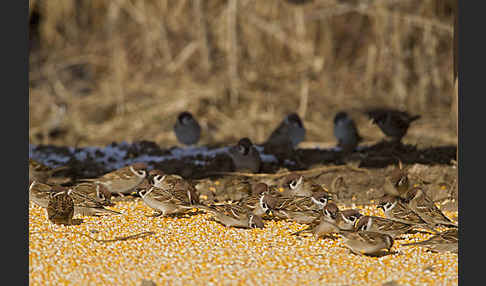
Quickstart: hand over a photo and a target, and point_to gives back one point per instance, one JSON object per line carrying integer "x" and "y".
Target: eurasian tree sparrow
{"x": 397, "y": 182}
{"x": 383, "y": 225}
{"x": 396, "y": 209}
{"x": 326, "y": 223}
{"x": 187, "y": 129}
{"x": 393, "y": 123}
{"x": 347, "y": 219}
{"x": 367, "y": 242}
{"x": 299, "y": 209}
{"x": 124, "y": 180}
{"x": 169, "y": 201}
{"x": 346, "y": 132}
{"x": 424, "y": 206}
{"x": 245, "y": 156}
{"x": 296, "y": 185}
{"x": 445, "y": 241}
{"x": 96, "y": 191}
{"x": 291, "y": 130}
{"x": 234, "y": 216}
{"x": 40, "y": 172}
{"x": 60, "y": 208}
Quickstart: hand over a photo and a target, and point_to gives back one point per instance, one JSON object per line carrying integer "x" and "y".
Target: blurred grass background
{"x": 121, "y": 70}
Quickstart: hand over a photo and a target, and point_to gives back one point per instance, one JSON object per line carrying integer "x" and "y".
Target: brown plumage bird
{"x": 383, "y": 225}
{"x": 234, "y": 216}
{"x": 245, "y": 156}
{"x": 325, "y": 225}
{"x": 123, "y": 181}
{"x": 397, "y": 182}
{"x": 445, "y": 241}
{"x": 367, "y": 242}
{"x": 424, "y": 206}
{"x": 397, "y": 209}
{"x": 60, "y": 209}
{"x": 393, "y": 123}
{"x": 40, "y": 172}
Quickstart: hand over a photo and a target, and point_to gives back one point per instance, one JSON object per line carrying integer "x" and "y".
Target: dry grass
{"x": 126, "y": 68}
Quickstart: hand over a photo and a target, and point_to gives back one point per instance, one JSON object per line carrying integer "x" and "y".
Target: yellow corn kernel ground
{"x": 194, "y": 250}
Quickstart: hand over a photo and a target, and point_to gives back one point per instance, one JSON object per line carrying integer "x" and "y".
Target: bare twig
{"x": 202, "y": 35}
{"x": 305, "y": 51}
{"x": 370, "y": 9}
{"x": 183, "y": 56}
{"x": 167, "y": 54}
{"x": 278, "y": 33}
{"x": 233, "y": 51}
{"x": 118, "y": 238}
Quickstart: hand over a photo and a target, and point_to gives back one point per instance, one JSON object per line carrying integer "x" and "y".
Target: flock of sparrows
{"x": 244, "y": 202}
{"x": 291, "y": 131}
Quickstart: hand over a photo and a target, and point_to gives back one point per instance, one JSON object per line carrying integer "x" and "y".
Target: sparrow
{"x": 367, "y": 242}
{"x": 169, "y": 194}
{"x": 124, "y": 180}
{"x": 159, "y": 179}
{"x": 299, "y": 209}
{"x": 156, "y": 173}
{"x": 168, "y": 203}
{"x": 445, "y": 241}
{"x": 397, "y": 182}
{"x": 234, "y": 189}
{"x": 304, "y": 216}
{"x": 424, "y": 206}
{"x": 347, "y": 219}
{"x": 234, "y": 216}
{"x": 60, "y": 208}
{"x": 39, "y": 193}
{"x": 175, "y": 185}
{"x": 296, "y": 185}
{"x": 393, "y": 123}
{"x": 346, "y": 132}
{"x": 383, "y": 225}
{"x": 187, "y": 129}
{"x": 260, "y": 200}
{"x": 245, "y": 156}
{"x": 260, "y": 188}
{"x": 397, "y": 209}
{"x": 291, "y": 130}
{"x": 40, "y": 172}
{"x": 258, "y": 205}
{"x": 326, "y": 223}
{"x": 85, "y": 204}
{"x": 317, "y": 201}
{"x": 95, "y": 191}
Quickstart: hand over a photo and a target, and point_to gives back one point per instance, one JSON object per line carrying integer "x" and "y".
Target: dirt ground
{"x": 357, "y": 180}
